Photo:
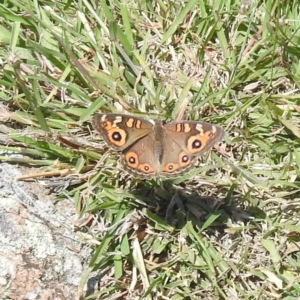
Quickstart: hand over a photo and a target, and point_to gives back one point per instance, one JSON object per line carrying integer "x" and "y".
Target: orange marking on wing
{"x": 178, "y": 127}
{"x": 132, "y": 160}
{"x": 146, "y": 168}
{"x": 107, "y": 125}
{"x": 130, "y": 122}
{"x": 138, "y": 124}
{"x": 202, "y": 139}
{"x": 170, "y": 167}
{"x": 187, "y": 127}
{"x": 117, "y": 140}
{"x": 184, "y": 159}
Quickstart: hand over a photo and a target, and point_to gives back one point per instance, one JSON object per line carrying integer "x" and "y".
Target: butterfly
{"x": 153, "y": 149}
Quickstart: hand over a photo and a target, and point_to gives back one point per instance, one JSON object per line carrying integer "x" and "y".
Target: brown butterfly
{"x": 155, "y": 149}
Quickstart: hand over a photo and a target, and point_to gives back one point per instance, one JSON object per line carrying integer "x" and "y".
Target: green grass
{"x": 227, "y": 230}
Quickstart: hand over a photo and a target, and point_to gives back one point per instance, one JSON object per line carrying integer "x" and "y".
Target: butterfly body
{"x": 156, "y": 149}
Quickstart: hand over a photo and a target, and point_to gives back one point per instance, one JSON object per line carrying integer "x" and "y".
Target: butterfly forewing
{"x": 121, "y": 131}
{"x": 194, "y": 137}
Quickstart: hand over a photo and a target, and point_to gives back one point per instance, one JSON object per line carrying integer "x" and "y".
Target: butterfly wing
{"x": 139, "y": 159}
{"x": 121, "y": 131}
{"x": 184, "y": 141}
{"x": 175, "y": 160}
{"x": 193, "y": 136}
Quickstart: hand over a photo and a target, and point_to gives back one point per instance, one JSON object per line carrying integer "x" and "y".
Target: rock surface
{"x": 40, "y": 257}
